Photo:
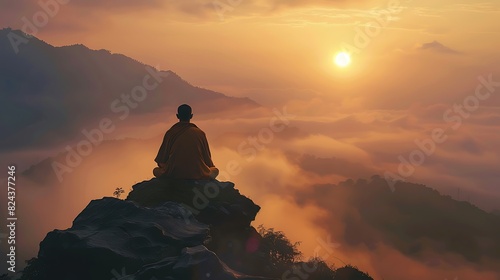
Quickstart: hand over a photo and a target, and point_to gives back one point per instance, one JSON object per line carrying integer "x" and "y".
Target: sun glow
{"x": 342, "y": 59}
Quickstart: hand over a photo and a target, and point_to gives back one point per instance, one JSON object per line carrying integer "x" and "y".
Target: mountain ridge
{"x": 50, "y": 93}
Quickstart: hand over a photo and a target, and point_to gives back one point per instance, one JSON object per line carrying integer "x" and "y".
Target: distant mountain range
{"x": 50, "y": 93}
{"x": 414, "y": 219}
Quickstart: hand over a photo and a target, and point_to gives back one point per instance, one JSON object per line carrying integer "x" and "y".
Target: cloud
{"x": 437, "y": 47}
{"x": 329, "y": 141}
{"x": 482, "y": 7}
{"x": 334, "y": 165}
{"x": 295, "y": 174}
{"x": 12, "y": 12}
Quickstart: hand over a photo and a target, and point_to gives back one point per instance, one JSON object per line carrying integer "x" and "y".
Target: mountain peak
{"x": 78, "y": 85}
{"x": 15, "y": 40}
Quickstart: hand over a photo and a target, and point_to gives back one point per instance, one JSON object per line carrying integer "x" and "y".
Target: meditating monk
{"x": 184, "y": 153}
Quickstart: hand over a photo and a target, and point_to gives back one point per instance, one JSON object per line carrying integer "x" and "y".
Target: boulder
{"x": 111, "y": 233}
{"x": 211, "y": 202}
{"x": 219, "y": 205}
{"x": 158, "y": 232}
{"x": 193, "y": 263}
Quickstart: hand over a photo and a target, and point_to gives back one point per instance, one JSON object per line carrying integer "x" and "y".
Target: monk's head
{"x": 184, "y": 113}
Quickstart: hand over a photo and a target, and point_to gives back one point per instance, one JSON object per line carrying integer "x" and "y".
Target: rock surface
{"x": 219, "y": 205}
{"x": 171, "y": 230}
{"x": 153, "y": 234}
{"x": 193, "y": 263}
{"x": 212, "y": 202}
{"x": 111, "y": 233}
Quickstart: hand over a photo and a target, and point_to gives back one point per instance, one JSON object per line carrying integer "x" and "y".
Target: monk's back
{"x": 184, "y": 152}
{"x": 189, "y": 155}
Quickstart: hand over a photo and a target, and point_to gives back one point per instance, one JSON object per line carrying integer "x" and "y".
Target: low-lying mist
{"x": 275, "y": 164}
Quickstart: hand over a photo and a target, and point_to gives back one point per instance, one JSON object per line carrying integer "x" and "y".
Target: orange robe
{"x": 185, "y": 153}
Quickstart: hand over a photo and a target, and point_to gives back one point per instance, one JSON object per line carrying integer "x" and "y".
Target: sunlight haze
{"x": 294, "y": 97}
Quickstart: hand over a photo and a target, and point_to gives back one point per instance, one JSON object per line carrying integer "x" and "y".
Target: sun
{"x": 342, "y": 59}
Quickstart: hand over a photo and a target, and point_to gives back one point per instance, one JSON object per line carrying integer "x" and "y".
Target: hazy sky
{"x": 285, "y": 48}
{"x": 412, "y": 62}
{"x": 415, "y": 72}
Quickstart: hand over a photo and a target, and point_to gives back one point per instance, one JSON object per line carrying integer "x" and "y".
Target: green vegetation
{"x": 118, "y": 192}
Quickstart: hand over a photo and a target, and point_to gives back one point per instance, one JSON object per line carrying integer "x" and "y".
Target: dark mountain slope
{"x": 413, "y": 218}
{"x": 49, "y": 94}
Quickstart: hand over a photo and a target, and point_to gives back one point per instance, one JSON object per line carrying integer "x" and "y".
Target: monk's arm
{"x": 207, "y": 157}
{"x": 162, "y": 156}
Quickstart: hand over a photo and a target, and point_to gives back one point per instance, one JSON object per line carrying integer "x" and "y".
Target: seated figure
{"x": 184, "y": 152}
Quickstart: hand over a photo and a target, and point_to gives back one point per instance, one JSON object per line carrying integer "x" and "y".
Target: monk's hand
{"x": 158, "y": 171}
{"x": 214, "y": 172}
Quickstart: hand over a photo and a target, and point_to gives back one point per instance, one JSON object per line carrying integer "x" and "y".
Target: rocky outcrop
{"x": 212, "y": 202}
{"x": 193, "y": 263}
{"x": 171, "y": 230}
{"x": 111, "y": 233}
{"x": 219, "y": 205}
{"x": 163, "y": 230}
